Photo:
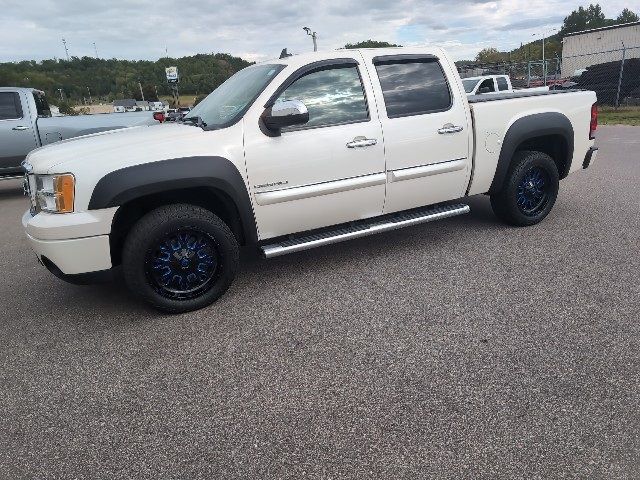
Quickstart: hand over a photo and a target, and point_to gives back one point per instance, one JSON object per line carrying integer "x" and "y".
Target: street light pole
{"x": 95, "y": 48}
{"x": 64, "y": 42}
{"x": 545, "y": 33}
{"x": 90, "y": 99}
{"x": 314, "y": 37}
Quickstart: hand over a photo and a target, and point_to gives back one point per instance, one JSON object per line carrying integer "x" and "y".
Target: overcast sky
{"x": 257, "y": 30}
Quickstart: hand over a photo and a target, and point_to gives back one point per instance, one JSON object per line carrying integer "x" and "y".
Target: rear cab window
{"x": 10, "y": 107}
{"x": 502, "y": 84}
{"x": 412, "y": 85}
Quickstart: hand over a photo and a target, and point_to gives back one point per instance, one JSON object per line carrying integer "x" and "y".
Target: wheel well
{"x": 553, "y": 145}
{"x": 212, "y": 199}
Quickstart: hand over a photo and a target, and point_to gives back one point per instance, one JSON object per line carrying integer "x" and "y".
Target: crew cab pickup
{"x": 292, "y": 154}
{"x": 26, "y": 123}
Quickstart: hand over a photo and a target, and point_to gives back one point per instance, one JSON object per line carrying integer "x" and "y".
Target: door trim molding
{"x": 427, "y": 170}
{"x": 318, "y": 189}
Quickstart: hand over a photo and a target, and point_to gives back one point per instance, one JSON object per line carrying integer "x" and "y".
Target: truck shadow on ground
{"x": 11, "y": 189}
{"x": 114, "y": 298}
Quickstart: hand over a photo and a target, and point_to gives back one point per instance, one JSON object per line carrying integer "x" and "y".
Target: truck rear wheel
{"x": 529, "y": 190}
{"x": 180, "y": 258}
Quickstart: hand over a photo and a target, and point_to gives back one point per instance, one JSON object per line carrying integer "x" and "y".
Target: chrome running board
{"x": 362, "y": 229}
{"x": 11, "y": 177}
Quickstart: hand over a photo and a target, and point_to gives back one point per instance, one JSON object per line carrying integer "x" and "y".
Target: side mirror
{"x": 285, "y": 114}
{"x": 484, "y": 90}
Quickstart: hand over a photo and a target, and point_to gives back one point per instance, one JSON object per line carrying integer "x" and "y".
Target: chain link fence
{"x": 614, "y": 74}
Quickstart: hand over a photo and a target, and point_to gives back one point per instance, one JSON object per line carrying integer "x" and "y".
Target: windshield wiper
{"x": 197, "y": 121}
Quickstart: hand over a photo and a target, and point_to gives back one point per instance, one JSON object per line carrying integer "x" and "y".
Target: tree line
{"x": 79, "y": 80}
{"x": 578, "y": 20}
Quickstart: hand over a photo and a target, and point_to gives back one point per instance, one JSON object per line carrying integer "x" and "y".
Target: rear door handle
{"x": 20, "y": 127}
{"x": 361, "y": 142}
{"x": 449, "y": 128}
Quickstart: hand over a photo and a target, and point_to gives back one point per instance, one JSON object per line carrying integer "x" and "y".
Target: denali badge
{"x": 275, "y": 184}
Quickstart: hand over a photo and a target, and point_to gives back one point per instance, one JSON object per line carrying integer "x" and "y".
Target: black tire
{"x": 529, "y": 190}
{"x": 180, "y": 258}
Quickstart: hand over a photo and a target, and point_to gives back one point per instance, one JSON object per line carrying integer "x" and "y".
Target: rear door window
{"x": 42, "y": 106}
{"x": 413, "y": 87}
{"x": 10, "y": 108}
{"x": 488, "y": 83}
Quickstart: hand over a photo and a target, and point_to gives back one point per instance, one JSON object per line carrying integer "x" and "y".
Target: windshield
{"x": 229, "y": 101}
{"x": 469, "y": 84}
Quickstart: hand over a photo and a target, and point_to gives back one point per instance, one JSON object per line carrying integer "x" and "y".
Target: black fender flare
{"x": 526, "y": 128}
{"x": 129, "y": 183}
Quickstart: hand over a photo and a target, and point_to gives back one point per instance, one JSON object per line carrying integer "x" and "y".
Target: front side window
{"x": 502, "y": 84}
{"x": 413, "y": 87}
{"x": 10, "y": 106}
{"x": 227, "y": 103}
{"x": 469, "y": 84}
{"x": 333, "y": 96}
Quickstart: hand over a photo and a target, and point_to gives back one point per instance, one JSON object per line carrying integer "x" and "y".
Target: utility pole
{"x": 90, "y": 99}
{"x": 95, "y": 49}
{"x": 545, "y": 33}
{"x": 141, "y": 93}
{"x": 61, "y": 95}
{"x": 314, "y": 37}
{"x": 64, "y": 42}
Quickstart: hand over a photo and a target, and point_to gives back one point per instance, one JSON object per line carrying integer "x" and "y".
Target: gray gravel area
{"x": 457, "y": 349}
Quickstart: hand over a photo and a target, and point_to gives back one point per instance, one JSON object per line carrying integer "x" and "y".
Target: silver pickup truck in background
{"x": 26, "y": 123}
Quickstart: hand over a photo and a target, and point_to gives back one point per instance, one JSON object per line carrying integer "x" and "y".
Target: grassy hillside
{"x": 105, "y": 79}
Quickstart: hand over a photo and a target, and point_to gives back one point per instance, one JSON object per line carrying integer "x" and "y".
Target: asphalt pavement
{"x": 457, "y": 349}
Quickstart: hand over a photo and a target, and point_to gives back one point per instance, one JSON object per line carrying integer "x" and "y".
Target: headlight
{"x": 55, "y": 193}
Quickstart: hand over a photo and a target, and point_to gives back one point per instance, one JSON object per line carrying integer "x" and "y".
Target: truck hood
{"x": 116, "y": 149}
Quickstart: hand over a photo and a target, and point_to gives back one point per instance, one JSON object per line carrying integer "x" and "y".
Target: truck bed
{"x": 518, "y": 94}
{"x": 493, "y": 115}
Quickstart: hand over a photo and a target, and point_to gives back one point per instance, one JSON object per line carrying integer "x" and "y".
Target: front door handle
{"x": 361, "y": 142}
{"x": 20, "y": 128}
{"x": 449, "y": 128}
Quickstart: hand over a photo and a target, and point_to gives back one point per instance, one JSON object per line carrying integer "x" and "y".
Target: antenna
{"x": 64, "y": 42}
{"x": 95, "y": 48}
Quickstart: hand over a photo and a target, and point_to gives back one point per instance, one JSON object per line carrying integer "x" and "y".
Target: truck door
{"x": 427, "y": 136}
{"x": 331, "y": 169}
{"x": 17, "y": 137}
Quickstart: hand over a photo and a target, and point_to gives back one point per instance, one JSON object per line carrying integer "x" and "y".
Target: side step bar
{"x": 11, "y": 177}
{"x": 362, "y": 229}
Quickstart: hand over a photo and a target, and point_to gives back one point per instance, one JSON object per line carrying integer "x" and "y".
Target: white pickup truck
{"x": 292, "y": 154}
{"x": 26, "y": 123}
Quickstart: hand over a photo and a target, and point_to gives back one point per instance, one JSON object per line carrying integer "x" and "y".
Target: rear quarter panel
{"x": 492, "y": 120}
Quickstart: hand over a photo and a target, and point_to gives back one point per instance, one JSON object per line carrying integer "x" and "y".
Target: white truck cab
{"x": 292, "y": 154}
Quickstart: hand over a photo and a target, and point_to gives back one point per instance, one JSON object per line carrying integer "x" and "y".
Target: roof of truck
{"x": 302, "y": 59}
{"x": 19, "y": 89}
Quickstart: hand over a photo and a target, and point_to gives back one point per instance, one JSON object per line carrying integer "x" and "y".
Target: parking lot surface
{"x": 457, "y": 349}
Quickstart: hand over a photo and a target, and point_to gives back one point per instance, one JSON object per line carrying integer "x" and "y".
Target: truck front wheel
{"x": 180, "y": 258}
{"x": 529, "y": 190}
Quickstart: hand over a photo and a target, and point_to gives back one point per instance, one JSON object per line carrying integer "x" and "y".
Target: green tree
{"x": 371, "y": 44}
{"x": 584, "y": 19}
{"x": 491, "y": 55}
{"x": 627, "y": 16}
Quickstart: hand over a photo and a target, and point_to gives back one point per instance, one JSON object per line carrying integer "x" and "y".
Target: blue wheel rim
{"x": 182, "y": 264}
{"x": 532, "y": 192}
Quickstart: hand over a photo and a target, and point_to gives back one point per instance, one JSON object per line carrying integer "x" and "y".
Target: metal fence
{"x": 613, "y": 74}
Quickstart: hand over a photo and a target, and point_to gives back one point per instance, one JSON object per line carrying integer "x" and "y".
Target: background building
{"x": 600, "y": 45}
